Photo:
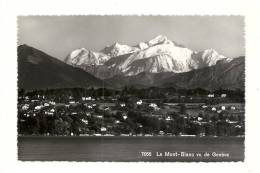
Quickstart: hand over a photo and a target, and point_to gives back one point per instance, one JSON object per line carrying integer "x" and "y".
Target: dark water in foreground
{"x": 130, "y": 148}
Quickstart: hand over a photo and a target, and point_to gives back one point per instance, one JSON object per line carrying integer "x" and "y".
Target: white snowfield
{"x": 157, "y": 55}
{"x": 83, "y": 56}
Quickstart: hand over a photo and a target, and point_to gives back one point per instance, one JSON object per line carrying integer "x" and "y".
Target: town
{"x": 131, "y": 112}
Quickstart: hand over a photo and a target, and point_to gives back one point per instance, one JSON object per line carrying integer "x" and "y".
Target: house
{"x": 231, "y": 122}
{"x": 25, "y": 107}
{"x": 148, "y": 135}
{"x": 200, "y": 118}
{"x": 72, "y": 102}
{"x": 168, "y": 118}
{"x": 109, "y": 134}
{"x": 233, "y": 108}
{"x": 124, "y": 117}
{"x": 139, "y": 102}
{"x": 99, "y": 116}
{"x": 139, "y": 125}
{"x": 38, "y": 107}
{"x": 90, "y": 107}
{"x": 223, "y": 95}
{"x": 46, "y": 104}
{"x": 103, "y": 129}
{"x": 161, "y": 132}
{"x": 122, "y": 104}
{"x": 211, "y": 95}
{"x": 124, "y": 134}
{"x": 154, "y": 106}
{"x": 52, "y": 102}
{"x": 223, "y": 108}
{"x": 86, "y": 98}
{"x": 97, "y": 134}
{"x": 213, "y": 109}
{"x": 204, "y": 106}
{"x": 48, "y": 113}
{"x": 84, "y": 121}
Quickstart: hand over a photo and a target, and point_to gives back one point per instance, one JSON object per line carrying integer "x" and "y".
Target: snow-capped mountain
{"x": 157, "y": 55}
{"x": 82, "y": 56}
{"x": 161, "y": 56}
{"x": 206, "y": 58}
{"x": 230, "y": 75}
{"x": 118, "y": 49}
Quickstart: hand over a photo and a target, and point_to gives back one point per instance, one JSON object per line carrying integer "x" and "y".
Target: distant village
{"x": 91, "y": 112}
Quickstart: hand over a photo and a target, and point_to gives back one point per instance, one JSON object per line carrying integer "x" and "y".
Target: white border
{"x": 9, "y": 9}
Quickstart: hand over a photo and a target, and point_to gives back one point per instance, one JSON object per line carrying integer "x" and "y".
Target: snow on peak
{"x": 142, "y": 45}
{"x": 117, "y": 49}
{"x": 157, "y": 55}
{"x": 158, "y": 40}
{"x": 205, "y": 58}
{"x": 83, "y": 56}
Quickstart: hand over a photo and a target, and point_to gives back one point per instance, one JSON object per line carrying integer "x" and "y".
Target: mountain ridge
{"x": 156, "y": 55}
{"x": 37, "y": 70}
{"x": 226, "y": 76}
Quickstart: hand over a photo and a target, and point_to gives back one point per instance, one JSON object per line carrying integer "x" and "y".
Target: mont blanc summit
{"x": 157, "y": 55}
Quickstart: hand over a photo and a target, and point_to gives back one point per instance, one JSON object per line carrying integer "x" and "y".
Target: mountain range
{"x": 222, "y": 75}
{"x": 159, "y": 62}
{"x": 156, "y": 56}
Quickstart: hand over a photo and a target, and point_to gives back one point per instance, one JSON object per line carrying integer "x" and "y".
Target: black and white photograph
{"x": 131, "y": 88}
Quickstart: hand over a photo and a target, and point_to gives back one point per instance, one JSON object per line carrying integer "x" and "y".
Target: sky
{"x": 59, "y": 35}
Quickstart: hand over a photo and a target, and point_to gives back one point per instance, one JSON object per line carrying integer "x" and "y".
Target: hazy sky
{"x": 59, "y": 35}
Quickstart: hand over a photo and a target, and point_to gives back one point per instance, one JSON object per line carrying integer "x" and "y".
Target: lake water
{"x": 169, "y": 149}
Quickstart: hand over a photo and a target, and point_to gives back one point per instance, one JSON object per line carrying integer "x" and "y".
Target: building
{"x": 154, "y": 106}
{"x": 204, "y": 106}
{"x": 211, "y": 95}
{"x": 103, "y": 129}
{"x": 122, "y": 104}
{"x": 223, "y": 95}
{"x": 139, "y": 102}
{"x": 233, "y": 108}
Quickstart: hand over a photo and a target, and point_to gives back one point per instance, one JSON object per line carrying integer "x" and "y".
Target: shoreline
{"x": 201, "y": 137}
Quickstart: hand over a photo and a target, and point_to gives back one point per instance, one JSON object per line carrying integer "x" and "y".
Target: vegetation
{"x": 78, "y": 111}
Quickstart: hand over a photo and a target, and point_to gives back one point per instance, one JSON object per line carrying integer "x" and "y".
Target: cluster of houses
{"x": 94, "y": 108}
{"x": 219, "y": 109}
{"x": 223, "y": 95}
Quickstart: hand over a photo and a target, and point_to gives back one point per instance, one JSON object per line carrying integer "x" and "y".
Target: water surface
{"x": 32, "y": 148}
